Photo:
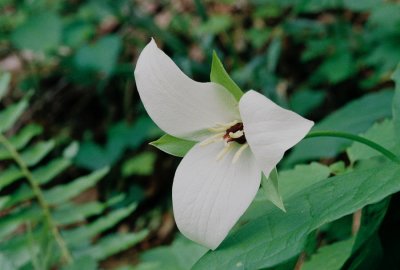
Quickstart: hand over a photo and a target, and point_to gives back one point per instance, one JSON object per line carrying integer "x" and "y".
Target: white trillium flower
{"x": 237, "y": 141}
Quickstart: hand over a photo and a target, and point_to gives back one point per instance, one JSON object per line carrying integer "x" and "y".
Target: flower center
{"x": 235, "y": 134}
{"x": 228, "y": 133}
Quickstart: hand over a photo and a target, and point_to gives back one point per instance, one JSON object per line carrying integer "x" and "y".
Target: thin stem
{"x": 390, "y": 155}
{"x": 40, "y": 198}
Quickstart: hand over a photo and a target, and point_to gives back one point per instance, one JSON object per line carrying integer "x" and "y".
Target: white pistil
{"x": 239, "y": 153}
{"x": 224, "y": 151}
{"x": 237, "y": 134}
{"x": 214, "y": 138}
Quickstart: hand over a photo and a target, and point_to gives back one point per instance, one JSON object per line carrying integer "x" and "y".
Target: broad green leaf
{"x": 181, "y": 255}
{"x": 381, "y": 133}
{"x": 369, "y": 256}
{"x": 40, "y": 32}
{"x": 396, "y": 102}
{"x": 371, "y": 218}
{"x": 173, "y": 146}
{"x": 270, "y": 186}
{"x": 62, "y": 193}
{"x": 82, "y": 263}
{"x": 113, "y": 244}
{"x": 290, "y": 182}
{"x": 348, "y": 119}
{"x": 10, "y": 115}
{"x": 301, "y": 177}
{"x": 75, "y": 236}
{"x": 37, "y": 152}
{"x": 3, "y": 201}
{"x": 364, "y": 5}
{"x": 304, "y": 101}
{"x": 141, "y": 164}
{"x": 91, "y": 58}
{"x": 219, "y": 75}
{"x": 330, "y": 257}
{"x": 5, "y": 79}
{"x": 6, "y": 264}
{"x": 276, "y": 236}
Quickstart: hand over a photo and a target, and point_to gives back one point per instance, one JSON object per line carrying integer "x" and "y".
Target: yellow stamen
{"x": 224, "y": 151}
{"x": 239, "y": 153}
{"x": 214, "y": 138}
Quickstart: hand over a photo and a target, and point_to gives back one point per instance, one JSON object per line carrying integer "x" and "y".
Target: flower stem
{"x": 39, "y": 196}
{"x": 390, "y": 155}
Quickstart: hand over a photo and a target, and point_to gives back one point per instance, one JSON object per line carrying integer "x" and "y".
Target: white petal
{"x": 178, "y": 105}
{"x": 270, "y": 130}
{"x": 210, "y": 196}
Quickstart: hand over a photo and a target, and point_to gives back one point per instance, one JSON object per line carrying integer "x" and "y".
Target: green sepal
{"x": 271, "y": 189}
{"x": 173, "y": 145}
{"x": 219, "y": 75}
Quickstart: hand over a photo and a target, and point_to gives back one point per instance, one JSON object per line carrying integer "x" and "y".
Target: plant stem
{"x": 390, "y": 155}
{"x": 39, "y": 196}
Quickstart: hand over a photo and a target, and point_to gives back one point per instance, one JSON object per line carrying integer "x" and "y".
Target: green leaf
{"x": 347, "y": 119}
{"x": 10, "y": 115}
{"x": 364, "y": 5}
{"x": 42, "y": 175}
{"x": 273, "y": 54}
{"x": 71, "y": 213}
{"x": 5, "y": 263}
{"x": 93, "y": 57}
{"x": 62, "y": 193}
{"x": 270, "y": 186}
{"x": 21, "y": 139}
{"x": 47, "y": 172}
{"x": 275, "y": 236}
{"x": 5, "y": 79}
{"x": 181, "y": 255}
{"x": 215, "y": 25}
{"x": 37, "y": 152}
{"x": 17, "y": 218}
{"x": 173, "y": 146}
{"x": 113, "y": 244}
{"x": 381, "y": 133}
{"x": 304, "y": 101}
{"x": 84, "y": 262}
{"x": 9, "y": 176}
{"x": 290, "y": 182}
{"x": 41, "y": 32}
{"x": 396, "y": 102}
{"x": 301, "y": 177}
{"x": 219, "y": 75}
{"x": 330, "y": 257}
{"x": 142, "y": 164}
{"x": 76, "y": 236}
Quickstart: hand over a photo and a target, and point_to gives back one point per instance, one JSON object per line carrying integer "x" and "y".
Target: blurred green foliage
{"x": 71, "y": 66}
